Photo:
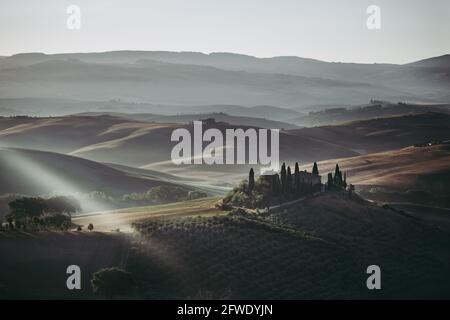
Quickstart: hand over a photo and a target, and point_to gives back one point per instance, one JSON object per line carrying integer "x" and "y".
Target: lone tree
{"x": 315, "y": 169}
{"x": 110, "y": 282}
{"x": 63, "y": 205}
{"x": 251, "y": 180}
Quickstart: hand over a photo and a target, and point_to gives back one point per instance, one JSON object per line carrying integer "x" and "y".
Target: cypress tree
{"x": 315, "y": 169}
{"x": 337, "y": 173}
{"x": 251, "y": 180}
{"x": 297, "y": 180}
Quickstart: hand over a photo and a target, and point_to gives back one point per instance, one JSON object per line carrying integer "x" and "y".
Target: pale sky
{"x": 328, "y": 30}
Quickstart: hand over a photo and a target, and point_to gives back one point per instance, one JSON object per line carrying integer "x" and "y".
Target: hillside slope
{"x": 134, "y": 143}
{"x": 381, "y": 134}
{"x": 418, "y": 175}
{"x": 319, "y": 248}
{"x": 109, "y": 139}
{"x": 96, "y": 186}
{"x": 36, "y": 172}
{"x": 405, "y": 167}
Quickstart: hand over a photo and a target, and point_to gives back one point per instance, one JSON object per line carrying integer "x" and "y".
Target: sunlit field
{"x": 121, "y": 220}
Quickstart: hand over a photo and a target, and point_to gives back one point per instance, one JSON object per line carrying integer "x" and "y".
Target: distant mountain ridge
{"x": 187, "y": 118}
{"x": 375, "y": 109}
{"x": 189, "y": 78}
{"x": 439, "y": 62}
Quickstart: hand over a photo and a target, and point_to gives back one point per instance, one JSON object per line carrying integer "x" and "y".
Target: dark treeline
{"x": 274, "y": 189}
{"x": 38, "y": 213}
{"x": 338, "y": 181}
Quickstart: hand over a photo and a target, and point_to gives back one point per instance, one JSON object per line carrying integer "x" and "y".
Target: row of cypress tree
{"x": 286, "y": 185}
{"x": 339, "y": 180}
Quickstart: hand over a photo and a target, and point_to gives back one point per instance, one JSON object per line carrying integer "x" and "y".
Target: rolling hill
{"x": 381, "y": 134}
{"x": 395, "y": 168}
{"x": 167, "y": 83}
{"x": 340, "y": 115}
{"x": 435, "y": 62}
{"x": 109, "y": 139}
{"x": 132, "y": 143}
{"x": 62, "y": 107}
{"x": 97, "y": 186}
{"x": 187, "y": 118}
{"x": 416, "y": 175}
{"x": 37, "y": 172}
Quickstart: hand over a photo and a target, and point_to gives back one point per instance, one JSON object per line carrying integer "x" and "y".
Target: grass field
{"x": 123, "y": 218}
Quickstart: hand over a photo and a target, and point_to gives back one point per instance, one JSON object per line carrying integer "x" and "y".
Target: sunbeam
{"x": 36, "y": 174}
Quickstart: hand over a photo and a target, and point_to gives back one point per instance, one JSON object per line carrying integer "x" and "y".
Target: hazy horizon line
{"x": 217, "y": 52}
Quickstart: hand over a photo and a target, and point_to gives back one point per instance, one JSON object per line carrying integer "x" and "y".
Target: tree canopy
{"x": 27, "y": 208}
{"x": 315, "y": 169}
{"x": 38, "y": 212}
{"x": 111, "y": 282}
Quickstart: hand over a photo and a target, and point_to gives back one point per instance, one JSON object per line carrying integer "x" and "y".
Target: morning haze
{"x": 324, "y": 30}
